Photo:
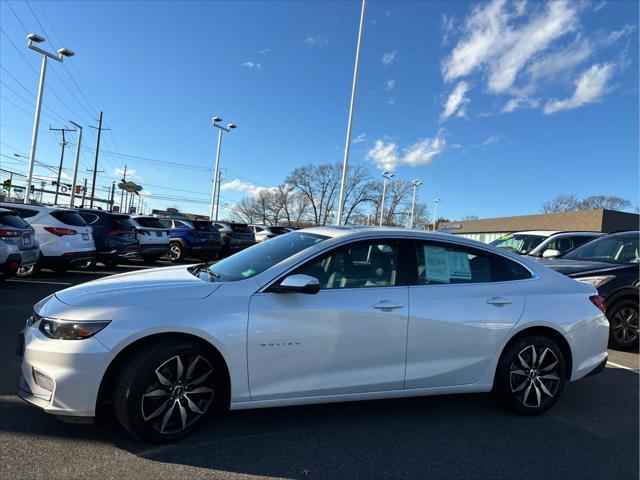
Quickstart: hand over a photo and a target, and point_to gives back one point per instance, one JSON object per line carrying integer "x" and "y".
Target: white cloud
{"x": 492, "y": 140}
{"x": 388, "y": 58}
{"x": 589, "y": 88}
{"x": 360, "y": 138}
{"x": 616, "y": 35}
{"x": 316, "y": 41}
{"x": 390, "y": 85}
{"x": 519, "y": 102}
{"x": 386, "y": 157}
{"x": 253, "y": 65}
{"x": 448, "y": 26}
{"x": 560, "y": 61}
{"x": 599, "y": 6}
{"x": 238, "y": 185}
{"x": 265, "y": 50}
{"x": 456, "y": 102}
{"x": 391, "y": 102}
{"x": 495, "y": 37}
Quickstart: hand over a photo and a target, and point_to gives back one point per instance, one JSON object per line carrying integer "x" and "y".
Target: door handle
{"x": 499, "y": 301}
{"x": 387, "y": 305}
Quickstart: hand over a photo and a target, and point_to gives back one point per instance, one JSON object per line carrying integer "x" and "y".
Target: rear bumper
{"x": 151, "y": 249}
{"x": 206, "y": 249}
{"x": 69, "y": 258}
{"x": 119, "y": 252}
{"x": 30, "y": 256}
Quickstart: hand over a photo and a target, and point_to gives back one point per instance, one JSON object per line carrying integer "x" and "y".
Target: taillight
{"x": 598, "y": 301}
{"x": 9, "y": 234}
{"x": 112, "y": 232}
{"x": 60, "y": 232}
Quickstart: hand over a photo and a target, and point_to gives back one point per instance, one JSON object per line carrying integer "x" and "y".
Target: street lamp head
{"x": 438, "y": 200}
{"x": 232, "y": 126}
{"x": 388, "y": 175}
{"x": 216, "y": 119}
{"x": 417, "y": 183}
{"x": 32, "y": 37}
{"x": 65, "y": 52}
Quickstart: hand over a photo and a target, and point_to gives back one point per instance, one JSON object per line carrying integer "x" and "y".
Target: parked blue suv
{"x": 191, "y": 238}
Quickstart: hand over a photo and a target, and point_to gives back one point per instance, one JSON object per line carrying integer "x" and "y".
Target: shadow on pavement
{"x": 591, "y": 433}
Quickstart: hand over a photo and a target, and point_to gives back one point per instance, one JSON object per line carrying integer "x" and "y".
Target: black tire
{"x": 176, "y": 252}
{"x": 137, "y": 411}
{"x": 623, "y": 320}
{"x": 150, "y": 259}
{"x": 529, "y": 385}
{"x": 25, "y": 272}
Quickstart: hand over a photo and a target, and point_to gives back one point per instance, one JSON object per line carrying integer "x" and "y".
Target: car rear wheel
{"x": 28, "y": 271}
{"x": 531, "y": 374}
{"x": 623, "y": 318}
{"x": 166, "y": 391}
{"x": 176, "y": 252}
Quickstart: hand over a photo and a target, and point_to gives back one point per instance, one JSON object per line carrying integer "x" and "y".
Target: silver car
{"x": 18, "y": 246}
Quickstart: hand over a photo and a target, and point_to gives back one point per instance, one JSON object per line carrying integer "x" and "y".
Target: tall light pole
{"x": 63, "y": 52}
{"x": 345, "y": 162}
{"x": 435, "y": 212}
{"x": 75, "y": 164}
{"x": 213, "y": 215}
{"x": 387, "y": 176}
{"x": 416, "y": 184}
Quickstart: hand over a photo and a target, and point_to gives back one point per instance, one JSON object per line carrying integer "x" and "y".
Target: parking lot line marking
{"x": 624, "y": 367}
{"x": 40, "y": 281}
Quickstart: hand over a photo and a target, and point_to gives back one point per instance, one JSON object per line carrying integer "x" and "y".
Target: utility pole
{"x": 124, "y": 179}
{"x": 95, "y": 163}
{"x": 75, "y": 165}
{"x": 84, "y": 193}
{"x": 63, "y": 144}
{"x": 113, "y": 191}
{"x": 218, "y": 194}
{"x": 435, "y": 212}
{"x": 345, "y": 162}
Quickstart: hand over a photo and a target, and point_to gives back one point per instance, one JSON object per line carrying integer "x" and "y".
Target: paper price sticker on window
{"x": 442, "y": 265}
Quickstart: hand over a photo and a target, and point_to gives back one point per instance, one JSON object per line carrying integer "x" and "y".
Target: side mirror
{"x": 549, "y": 253}
{"x": 298, "y": 283}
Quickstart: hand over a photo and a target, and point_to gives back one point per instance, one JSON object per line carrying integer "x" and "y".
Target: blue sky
{"x": 496, "y": 106}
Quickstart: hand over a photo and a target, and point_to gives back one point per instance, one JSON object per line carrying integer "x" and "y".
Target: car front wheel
{"x": 531, "y": 374}
{"x": 623, "y": 318}
{"x": 166, "y": 391}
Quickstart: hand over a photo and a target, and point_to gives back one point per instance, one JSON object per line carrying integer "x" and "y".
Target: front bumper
{"x": 75, "y": 368}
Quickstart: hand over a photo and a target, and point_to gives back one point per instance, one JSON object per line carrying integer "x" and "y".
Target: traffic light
{"x": 78, "y": 189}
{"x": 7, "y": 184}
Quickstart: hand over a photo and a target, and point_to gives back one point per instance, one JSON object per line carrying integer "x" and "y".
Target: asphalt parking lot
{"x": 592, "y": 432}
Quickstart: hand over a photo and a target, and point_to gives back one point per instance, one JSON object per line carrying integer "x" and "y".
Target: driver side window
{"x": 358, "y": 265}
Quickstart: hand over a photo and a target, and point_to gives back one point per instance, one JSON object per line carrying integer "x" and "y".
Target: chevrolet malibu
{"x": 318, "y": 315}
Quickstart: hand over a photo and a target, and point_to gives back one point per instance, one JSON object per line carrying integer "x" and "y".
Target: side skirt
{"x": 353, "y": 397}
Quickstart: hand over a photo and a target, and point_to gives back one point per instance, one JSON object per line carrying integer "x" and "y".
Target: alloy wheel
{"x": 624, "y": 325}
{"x": 178, "y": 396}
{"x": 533, "y": 376}
{"x": 175, "y": 252}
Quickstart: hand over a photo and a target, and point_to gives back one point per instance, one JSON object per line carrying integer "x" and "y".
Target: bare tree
{"x": 319, "y": 184}
{"x": 561, "y": 203}
{"x": 398, "y": 192}
{"x": 571, "y": 203}
{"x": 359, "y": 190}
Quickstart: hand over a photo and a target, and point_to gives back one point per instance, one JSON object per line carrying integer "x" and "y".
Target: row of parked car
{"x": 609, "y": 262}
{"x": 38, "y": 236}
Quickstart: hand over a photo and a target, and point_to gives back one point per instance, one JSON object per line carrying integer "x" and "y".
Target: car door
{"x": 463, "y": 304}
{"x": 350, "y": 337}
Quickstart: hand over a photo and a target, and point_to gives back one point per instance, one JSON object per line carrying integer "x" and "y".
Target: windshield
{"x": 518, "y": 243}
{"x": 260, "y": 257}
{"x": 615, "y": 249}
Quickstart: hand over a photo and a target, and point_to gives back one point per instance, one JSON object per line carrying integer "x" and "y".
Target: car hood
{"x": 580, "y": 268}
{"x": 155, "y": 285}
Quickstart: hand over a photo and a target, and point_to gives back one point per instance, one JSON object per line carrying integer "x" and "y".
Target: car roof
{"x": 6, "y": 211}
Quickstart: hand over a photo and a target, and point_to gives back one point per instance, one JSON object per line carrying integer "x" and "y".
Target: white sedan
{"x": 313, "y": 316}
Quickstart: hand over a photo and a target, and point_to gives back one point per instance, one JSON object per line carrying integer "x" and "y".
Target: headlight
{"x": 596, "y": 281}
{"x": 69, "y": 329}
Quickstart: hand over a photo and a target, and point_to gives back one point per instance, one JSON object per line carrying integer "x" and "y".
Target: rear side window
{"x": 90, "y": 218}
{"x": 123, "y": 222}
{"x": 441, "y": 263}
{"x": 13, "y": 221}
{"x": 204, "y": 226}
{"x": 151, "y": 223}
{"x": 69, "y": 218}
{"x": 25, "y": 212}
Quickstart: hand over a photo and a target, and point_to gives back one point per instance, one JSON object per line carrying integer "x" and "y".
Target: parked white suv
{"x": 153, "y": 237}
{"x": 65, "y": 238}
{"x": 543, "y": 243}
